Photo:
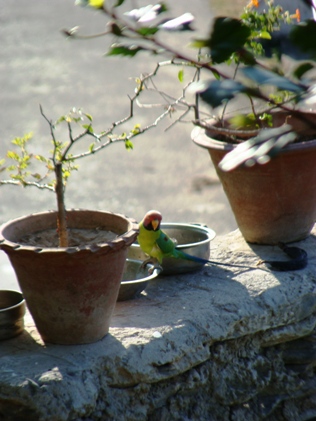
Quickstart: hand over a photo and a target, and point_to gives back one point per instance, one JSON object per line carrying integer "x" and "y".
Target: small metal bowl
{"x": 135, "y": 279}
{"x": 193, "y": 239}
{"x": 12, "y": 311}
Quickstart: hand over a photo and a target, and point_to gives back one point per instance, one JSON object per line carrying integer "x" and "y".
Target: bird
{"x": 157, "y": 245}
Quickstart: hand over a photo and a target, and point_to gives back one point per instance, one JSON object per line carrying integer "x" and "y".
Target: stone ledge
{"x": 218, "y": 344}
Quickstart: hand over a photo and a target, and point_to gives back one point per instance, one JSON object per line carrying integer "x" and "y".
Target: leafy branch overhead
{"x": 26, "y": 168}
{"x": 231, "y": 41}
{"x": 52, "y": 170}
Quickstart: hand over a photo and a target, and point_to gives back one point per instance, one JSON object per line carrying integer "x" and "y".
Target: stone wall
{"x": 235, "y": 344}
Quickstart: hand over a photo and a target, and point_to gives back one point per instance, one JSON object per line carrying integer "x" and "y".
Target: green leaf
{"x": 246, "y": 57}
{"x": 216, "y": 74}
{"x": 181, "y": 75}
{"x": 136, "y": 129}
{"x": 119, "y": 3}
{"x": 146, "y": 31}
{"x": 302, "y": 69}
{"x": 304, "y": 37}
{"x": 124, "y": 50}
{"x": 264, "y": 35}
{"x": 88, "y": 127}
{"x": 242, "y": 121}
{"x": 265, "y": 77}
{"x": 228, "y": 36}
{"x": 89, "y": 117}
{"x": 129, "y": 145}
{"x": 37, "y": 176}
{"x": 13, "y": 155}
{"x": 200, "y": 43}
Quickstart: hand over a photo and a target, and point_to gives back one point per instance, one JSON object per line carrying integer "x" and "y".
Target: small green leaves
{"x": 88, "y": 127}
{"x": 303, "y": 68}
{"x": 228, "y": 36}
{"x": 136, "y": 129}
{"x": 147, "y": 31}
{"x": 13, "y": 155}
{"x": 124, "y": 50}
{"x": 250, "y": 121}
{"x": 181, "y": 75}
{"x": 89, "y": 116}
{"x": 129, "y": 145}
{"x": 264, "y": 35}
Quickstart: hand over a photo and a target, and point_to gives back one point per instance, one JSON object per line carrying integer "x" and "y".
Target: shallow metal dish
{"x": 12, "y": 311}
{"x": 135, "y": 279}
{"x": 194, "y": 239}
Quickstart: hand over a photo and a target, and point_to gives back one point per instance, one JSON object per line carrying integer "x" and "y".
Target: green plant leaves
{"x": 304, "y": 37}
{"x": 228, "y": 36}
{"x": 119, "y": 3}
{"x": 303, "y": 68}
{"x": 147, "y": 31}
{"x": 124, "y": 50}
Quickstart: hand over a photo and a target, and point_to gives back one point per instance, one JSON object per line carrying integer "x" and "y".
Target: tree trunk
{"x": 61, "y": 215}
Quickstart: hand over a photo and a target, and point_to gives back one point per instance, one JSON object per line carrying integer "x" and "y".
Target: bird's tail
{"x": 182, "y": 255}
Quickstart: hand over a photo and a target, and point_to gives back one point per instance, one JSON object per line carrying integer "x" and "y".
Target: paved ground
{"x": 39, "y": 66}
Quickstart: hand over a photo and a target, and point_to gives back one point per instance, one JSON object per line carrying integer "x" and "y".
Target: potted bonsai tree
{"x": 69, "y": 263}
{"x": 274, "y": 141}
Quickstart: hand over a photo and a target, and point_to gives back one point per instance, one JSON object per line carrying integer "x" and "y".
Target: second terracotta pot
{"x": 274, "y": 202}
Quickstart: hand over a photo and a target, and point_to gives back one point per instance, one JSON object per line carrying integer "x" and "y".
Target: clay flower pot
{"x": 70, "y": 292}
{"x": 274, "y": 202}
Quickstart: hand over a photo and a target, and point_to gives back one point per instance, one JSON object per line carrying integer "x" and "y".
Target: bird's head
{"x": 152, "y": 220}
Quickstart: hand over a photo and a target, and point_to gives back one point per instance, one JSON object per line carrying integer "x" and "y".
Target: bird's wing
{"x": 165, "y": 244}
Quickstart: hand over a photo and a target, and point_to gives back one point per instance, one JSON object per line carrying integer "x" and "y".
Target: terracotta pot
{"x": 70, "y": 292}
{"x": 272, "y": 202}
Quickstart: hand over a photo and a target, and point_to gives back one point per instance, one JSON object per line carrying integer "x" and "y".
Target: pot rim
{"x": 155, "y": 272}
{"x": 202, "y": 137}
{"x": 18, "y": 295}
{"x": 123, "y": 240}
{"x": 211, "y": 234}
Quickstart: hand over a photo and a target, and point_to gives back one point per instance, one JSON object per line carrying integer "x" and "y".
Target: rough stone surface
{"x": 220, "y": 344}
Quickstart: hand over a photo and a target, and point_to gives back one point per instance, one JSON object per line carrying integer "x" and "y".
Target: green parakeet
{"x": 156, "y": 244}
